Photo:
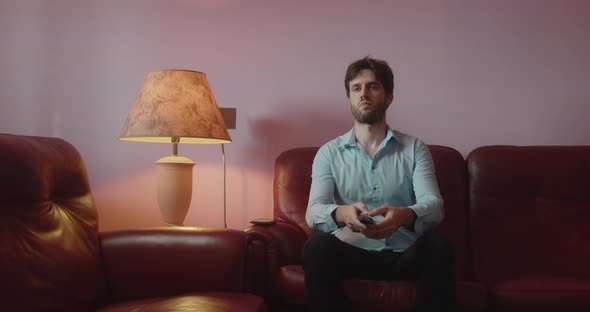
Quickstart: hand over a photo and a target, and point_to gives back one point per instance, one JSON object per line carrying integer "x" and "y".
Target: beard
{"x": 370, "y": 117}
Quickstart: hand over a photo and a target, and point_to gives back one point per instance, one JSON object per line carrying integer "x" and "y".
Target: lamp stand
{"x": 175, "y": 186}
{"x": 224, "y": 188}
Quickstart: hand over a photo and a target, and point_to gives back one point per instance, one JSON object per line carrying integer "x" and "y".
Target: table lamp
{"x": 175, "y": 106}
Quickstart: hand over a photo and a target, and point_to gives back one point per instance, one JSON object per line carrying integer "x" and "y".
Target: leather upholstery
{"x": 529, "y": 218}
{"x": 292, "y": 182}
{"x": 201, "y": 302}
{"x": 53, "y": 258}
{"x": 184, "y": 255}
{"x": 542, "y": 293}
{"x": 517, "y": 218}
{"x": 49, "y": 247}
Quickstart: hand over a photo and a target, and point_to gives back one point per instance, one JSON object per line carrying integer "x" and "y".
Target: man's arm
{"x": 429, "y": 202}
{"x": 419, "y": 217}
{"x": 321, "y": 213}
{"x": 321, "y": 195}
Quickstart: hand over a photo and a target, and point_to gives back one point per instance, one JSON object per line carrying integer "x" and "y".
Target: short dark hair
{"x": 380, "y": 68}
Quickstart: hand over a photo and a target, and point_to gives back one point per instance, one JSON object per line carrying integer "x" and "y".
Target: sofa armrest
{"x": 285, "y": 241}
{"x": 174, "y": 260}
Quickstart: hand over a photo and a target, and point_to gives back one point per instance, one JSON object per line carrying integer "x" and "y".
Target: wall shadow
{"x": 292, "y": 125}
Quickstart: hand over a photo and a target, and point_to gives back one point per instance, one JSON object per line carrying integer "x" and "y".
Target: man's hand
{"x": 348, "y": 215}
{"x": 393, "y": 218}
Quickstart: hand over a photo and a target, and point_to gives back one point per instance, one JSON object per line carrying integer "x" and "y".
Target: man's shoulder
{"x": 337, "y": 142}
{"x": 406, "y": 140}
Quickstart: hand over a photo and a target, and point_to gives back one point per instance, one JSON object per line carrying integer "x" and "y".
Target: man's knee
{"x": 436, "y": 245}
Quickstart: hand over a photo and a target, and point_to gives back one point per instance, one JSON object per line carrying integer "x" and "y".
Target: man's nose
{"x": 364, "y": 91}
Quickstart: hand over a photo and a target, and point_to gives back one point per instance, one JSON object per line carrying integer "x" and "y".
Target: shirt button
{"x": 373, "y": 168}
{"x": 374, "y": 188}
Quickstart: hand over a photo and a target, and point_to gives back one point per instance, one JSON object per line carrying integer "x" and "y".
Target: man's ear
{"x": 389, "y": 99}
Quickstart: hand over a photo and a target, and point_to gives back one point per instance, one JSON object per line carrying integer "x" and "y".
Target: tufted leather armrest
{"x": 285, "y": 241}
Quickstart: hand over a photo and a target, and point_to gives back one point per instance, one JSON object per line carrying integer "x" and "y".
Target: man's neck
{"x": 370, "y": 136}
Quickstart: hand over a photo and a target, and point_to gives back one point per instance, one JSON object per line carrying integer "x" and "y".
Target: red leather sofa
{"x": 53, "y": 258}
{"x": 518, "y": 217}
{"x": 529, "y": 224}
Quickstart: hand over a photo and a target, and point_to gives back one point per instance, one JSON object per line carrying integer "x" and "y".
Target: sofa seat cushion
{"x": 542, "y": 294}
{"x": 376, "y": 295}
{"x": 204, "y": 302}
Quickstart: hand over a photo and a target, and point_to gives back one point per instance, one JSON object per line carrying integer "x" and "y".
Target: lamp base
{"x": 175, "y": 187}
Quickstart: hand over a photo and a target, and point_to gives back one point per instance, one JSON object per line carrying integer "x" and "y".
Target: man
{"x": 390, "y": 177}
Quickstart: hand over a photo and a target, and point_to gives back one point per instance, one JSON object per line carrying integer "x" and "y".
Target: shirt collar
{"x": 349, "y": 140}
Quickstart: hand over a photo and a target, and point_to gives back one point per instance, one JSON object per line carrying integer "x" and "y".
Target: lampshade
{"x": 175, "y": 103}
{"x": 175, "y": 106}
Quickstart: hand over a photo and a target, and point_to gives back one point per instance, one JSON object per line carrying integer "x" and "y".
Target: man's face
{"x": 367, "y": 98}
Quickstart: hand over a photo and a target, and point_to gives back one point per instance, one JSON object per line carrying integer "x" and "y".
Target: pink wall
{"x": 469, "y": 73}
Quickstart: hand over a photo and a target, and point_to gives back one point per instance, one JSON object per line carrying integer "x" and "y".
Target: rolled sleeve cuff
{"x": 325, "y": 222}
{"x": 426, "y": 218}
{"x": 420, "y": 211}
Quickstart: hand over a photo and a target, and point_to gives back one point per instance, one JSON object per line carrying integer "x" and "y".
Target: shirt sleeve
{"x": 321, "y": 195}
{"x": 429, "y": 202}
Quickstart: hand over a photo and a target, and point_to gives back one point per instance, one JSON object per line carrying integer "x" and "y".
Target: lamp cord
{"x": 224, "y": 196}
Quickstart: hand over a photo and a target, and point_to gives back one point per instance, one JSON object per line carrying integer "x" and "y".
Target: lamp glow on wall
{"x": 175, "y": 106}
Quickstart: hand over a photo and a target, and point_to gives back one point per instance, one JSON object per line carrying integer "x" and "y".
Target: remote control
{"x": 366, "y": 219}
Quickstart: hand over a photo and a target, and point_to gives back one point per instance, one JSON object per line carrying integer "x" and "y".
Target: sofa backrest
{"x": 530, "y": 211}
{"x": 292, "y": 181}
{"x": 49, "y": 249}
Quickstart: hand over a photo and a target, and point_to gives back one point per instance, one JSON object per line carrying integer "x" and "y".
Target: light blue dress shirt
{"x": 401, "y": 174}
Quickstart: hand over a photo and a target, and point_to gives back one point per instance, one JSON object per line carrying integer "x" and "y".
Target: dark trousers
{"x": 430, "y": 262}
